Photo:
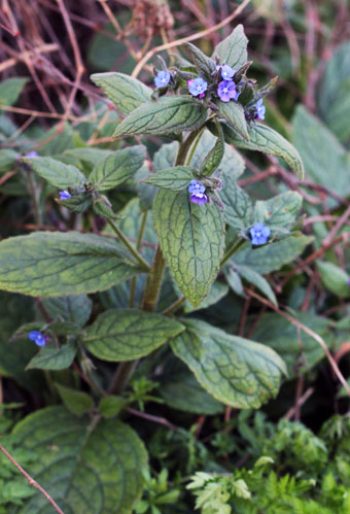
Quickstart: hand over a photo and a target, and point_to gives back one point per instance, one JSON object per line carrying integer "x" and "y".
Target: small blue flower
{"x": 227, "y": 72}
{"x": 64, "y": 195}
{"x": 197, "y": 87}
{"x": 260, "y": 110}
{"x": 227, "y": 91}
{"x": 197, "y": 192}
{"x": 31, "y": 155}
{"x": 37, "y": 337}
{"x": 162, "y": 79}
{"x": 259, "y": 234}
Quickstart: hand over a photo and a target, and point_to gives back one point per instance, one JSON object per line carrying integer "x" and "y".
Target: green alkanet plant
{"x": 203, "y": 233}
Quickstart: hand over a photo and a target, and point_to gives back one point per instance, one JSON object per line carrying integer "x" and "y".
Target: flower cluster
{"x": 197, "y": 192}
{"x": 37, "y": 337}
{"x": 259, "y": 234}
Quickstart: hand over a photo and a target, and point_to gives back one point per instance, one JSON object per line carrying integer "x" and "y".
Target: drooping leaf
{"x": 126, "y": 92}
{"x": 279, "y": 211}
{"x": 83, "y": 469}
{"x": 298, "y": 349}
{"x": 236, "y": 371}
{"x": 117, "y": 168}
{"x": 273, "y": 256}
{"x": 192, "y": 241}
{"x": 254, "y": 278}
{"x": 167, "y": 115}
{"x": 77, "y": 402}
{"x": 10, "y": 89}
{"x": 326, "y": 161}
{"x": 233, "y": 113}
{"x": 174, "y": 179}
{"x": 56, "y": 173}
{"x": 56, "y": 264}
{"x": 71, "y": 309}
{"x": 334, "y": 278}
{"x": 264, "y": 139}
{"x": 53, "y": 358}
{"x": 123, "y": 335}
{"x": 233, "y": 49}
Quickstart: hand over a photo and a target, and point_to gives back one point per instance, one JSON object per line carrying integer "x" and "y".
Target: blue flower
{"x": 197, "y": 192}
{"x": 162, "y": 79}
{"x": 259, "y": 234}
{"x": 31, "y": 155}
{"x": 197, "y": 87}
{"x": 64, "y": 195}
{"x": 227, "y": 91}
{"x": 227, "y": 72}
{"x": 260, "y": 110}
{"x": 37, "y": 337}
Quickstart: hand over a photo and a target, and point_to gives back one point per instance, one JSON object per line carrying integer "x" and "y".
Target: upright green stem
{"x": 186, "y": 145}
{"x": 154, "y": 282}
{"x": 129, "y": 246}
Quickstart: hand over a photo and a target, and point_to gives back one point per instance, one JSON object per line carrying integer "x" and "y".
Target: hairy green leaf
{"x": 214, "y": 157}
{"x": 253, "y": 277}
{"x": 205, "y": 64}
{"x": 273, "y": 256}
{"x": 126, "y": 92}
{"x": 123, "y": 335}
{"x": 77, "y": 402}
{"x": 264, "y": 139}
{"x": 334, "y": 278}
{"x": 85, "y": 469}
{"x": 238, "y": 207}
{"x": 192, "y": 240}
{"x": 54, "y": 358}
{"x": 279, "y": 211}
{"x": 175, "y": 179}
{"x": 55, "y": 264}
{"x": 236, "y": 371}
{"x": 56, "y": 173}
{"x": 167, "y": 115}
{"x": 233, "y": 113}
{"x": 70, "y": 309}
{"x": 117, "y": 168}
{"x": 233, "y": 49}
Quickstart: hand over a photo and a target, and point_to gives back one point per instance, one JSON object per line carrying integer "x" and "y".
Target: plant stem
{"x": 154, "y": 282}
{"x": 129, "y": 246}
{"x": 185, "y": 146}
{"x": 122, "y": 377}
{"x": 232, "y": 249}
{"x": 193, "y": 147}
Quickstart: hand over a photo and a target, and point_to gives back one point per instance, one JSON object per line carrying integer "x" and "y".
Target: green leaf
{"x": 214, "y": 157}
{"x": 125, "y": 92}
{"x": 233, "y": 49}
{"x": 238, "y": 207}
{"x": 54, "y": 358}
{"x": 77, "y": 402}
{"x": 299, "y": 350}
{"x": 174, "y": 179}
{"x": 8, "y": 158}
{"x": 335, "y": 279}
{"x": 168, "y": 115}
{"x": 192, "y": 241}
{"x": 55, "y": 264}
{"x": 233, "y": 113}
{"x": 234, "y": 280}
{"x": 236, "y": 371}
{"x": 70, "y": 309}
{"x": 326, "y": 161}
{"x": 217, "y": 292}
{"x": 117, "y": 168}
{"x": 165, "y": 157}
{"x": 87, "y": 155}
{"x": 56, "y": 173}
{"x": 280, "y": 211}
{"x": 85, "y": 469}
{"x": 10, "y": 89}
{"x": 264, "y": 139}
{"x": 110, "y": 406}
{"x": 258, "y": 281}
{"x": 124, "y": 335}
{"x": 204, "y": 63}
{"x": 273, "y": 256}
{"x": 333, "y": 93}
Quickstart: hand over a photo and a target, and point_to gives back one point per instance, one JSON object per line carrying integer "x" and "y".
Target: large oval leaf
{"x": 85, "y": 470}
{"x": 56, "y": 173}
{"x": 264, "y": 139}
{"x": 192, "y": 240}
{"x": 236, "y": 371}
{"x": 126, "y": 92}
{"x": 168, "y": 115}
{"x": 55, "y": 264}
{"x": 123, "y": 335}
